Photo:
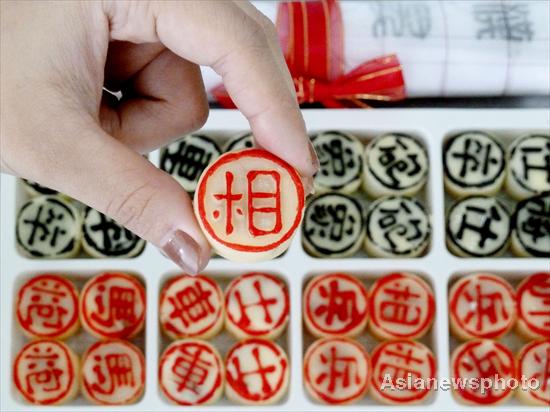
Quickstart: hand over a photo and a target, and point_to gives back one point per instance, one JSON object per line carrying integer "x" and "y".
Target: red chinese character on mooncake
{"x": 401, "y": 306}
{"x": 191, "y": 373}
{"x": 113, "y": 373}
{"x": 47, "y": 307}
{"x": 257, "y": 372}
{"x": 191, "y": 307}
{"x": 336, "y": 370}
{"x": 482, "y": 371}
{"x": 534, "y": 368}
{"x": 481, "y": 306}
{"x": 533, "y": 299}
{"x": 257, "y": 305}
{"x": 398, "y": 362}
{"x": 112, "y": 305}
{"x": 249, "y": 204}
{"x": 45, "y": 372}
{"x": 335, "y": 305}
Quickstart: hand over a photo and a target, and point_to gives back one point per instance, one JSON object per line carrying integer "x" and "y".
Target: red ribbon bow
{"x": 311, "y": 35}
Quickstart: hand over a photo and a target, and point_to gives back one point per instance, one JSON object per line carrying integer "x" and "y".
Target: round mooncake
{"x": 401, "y": 306}
{"x": 249, "y": 205}
{"x": 112, "y": 305}
{"x": 257, "y": 372}
{"x": 396, "y": 362}
{"x": 240, "y": 142}
{"x": 395, "y": 164}
{"x": 336, "y": 371}
{"x": 36, "y": 189}
{"x": 113, "y": 373}
{"x": 191, "y": 373}
{"x": 48, "y": 227}
{"x": 474, "y": 164}
{"x": 533, "y": 303}
{"x": 105, "y": 238}
{"x": 191, "y": 307}
{"x": 481, "y": 305}
{"x": 256, "y": 305}
{"x": 534, "y": 364}
{"x": 481, "y": 361}
{"x": 397, "y": 227}
{"x": 333, "y": 226}
{"x": 45, "y": 372}
{"x": 528, "y": 171}
{"x": 187, "y": 158}
{"x": 531, "y": 227}
{"x": 478, "y": 226}
{"x": 47, "y": 307}
{"x": 335, "y": 304}
{"x": 341, "y": 164}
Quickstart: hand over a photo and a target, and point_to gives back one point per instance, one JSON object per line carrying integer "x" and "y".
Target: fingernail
{"x": 184, "y": 251}
{"x": 314, "y": 158}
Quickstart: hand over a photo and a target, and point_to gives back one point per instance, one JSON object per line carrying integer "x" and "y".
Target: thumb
{"x": 108, "y": 176}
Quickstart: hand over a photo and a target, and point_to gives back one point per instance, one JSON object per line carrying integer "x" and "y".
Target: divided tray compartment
{"x": 505, "y": 137}
{"x": 438, "y": 266}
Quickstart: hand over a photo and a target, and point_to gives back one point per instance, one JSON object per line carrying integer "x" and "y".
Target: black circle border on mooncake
{"x": 423, "y": 176}
{"x": 448, "y": 233}
{"x": 514, "y": 221}
{"x": 322, "y": 251}
{"x": 379, "y": 202}
{"x": 459, "y": 183}
{"x": 237, "y": 140}
{"x": 349, "y": 138}
{"x": 53, "y": 199}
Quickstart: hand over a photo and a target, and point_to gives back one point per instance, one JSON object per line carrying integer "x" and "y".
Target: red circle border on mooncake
{"x": 469, "y": 396}
{"x": 275, "y": 349}
{"x": 536, "y": 277}
{"x": 524, "y": 352}
{"x": 430, "y": 304}
{"x": 195, "y": 342}
{"x": 319, "y": 344}
{"x": 453, "y": 302}
{"x": 340, "y": 276}
{"x": 208, "y": 280}
{"x": 286, "y": 302}
{"x": 128, "y": 345}
{"x": 419, "y": 394}
{"x": 73, "y": 294}
{"x": 70, "y": 371}
{"x": 235, "y": 156}
{"x": 141, "y": 293}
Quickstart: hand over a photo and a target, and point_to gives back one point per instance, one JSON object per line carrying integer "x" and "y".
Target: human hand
{"x": 62, "y": 130}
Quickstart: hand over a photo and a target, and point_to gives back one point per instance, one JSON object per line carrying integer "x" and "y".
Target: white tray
{"x": 438, "y": 266}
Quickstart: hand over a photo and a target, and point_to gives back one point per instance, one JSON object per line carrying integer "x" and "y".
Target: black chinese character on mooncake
{"x": 397, "y": 226}
{"x": 186, "y": 159}
{"x": 240, "y": 142}
{"x": 104, "y": 238}
{"x": 395, "y": 164}
{"x": 478, "y": 226}
{"x": 531, "y": 227}
{"x": 528, "y": 171}
{"x": 333, "y": 226}
{"x": 36, "y": 189}
{"x": 341, "y": 165}
{"x": 474, "y": 165}
{"x": 48, "y": 227}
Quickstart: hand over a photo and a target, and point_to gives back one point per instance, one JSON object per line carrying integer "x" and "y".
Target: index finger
{"x": 237, "y": 46}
